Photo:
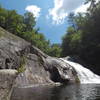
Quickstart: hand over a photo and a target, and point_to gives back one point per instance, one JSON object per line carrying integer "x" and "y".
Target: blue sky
{"x": 51, "y": 15}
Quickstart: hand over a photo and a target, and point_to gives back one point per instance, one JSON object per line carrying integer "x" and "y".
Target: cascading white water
{"x": 85, "y": 75}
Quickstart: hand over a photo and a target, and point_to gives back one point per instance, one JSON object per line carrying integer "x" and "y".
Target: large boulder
{"x": 33, "y": 66}
{"x": 43, "y": 69}
{"x": 34, "y": 73}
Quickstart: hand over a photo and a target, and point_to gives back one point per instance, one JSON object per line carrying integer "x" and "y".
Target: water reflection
{"x": 70, "y": 92}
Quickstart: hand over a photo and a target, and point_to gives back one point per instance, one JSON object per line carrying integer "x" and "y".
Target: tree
{"x": 84, "y": 41}
{"x": 29, "y": 21}
{"x": 23, "y": 26}
{"x": 55, "y": 50}
{"x": 3, "y": 14}
{"x": 71, "y": 20}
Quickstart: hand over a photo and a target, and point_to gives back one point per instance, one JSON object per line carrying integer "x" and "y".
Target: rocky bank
{"x": 22, "y": 64}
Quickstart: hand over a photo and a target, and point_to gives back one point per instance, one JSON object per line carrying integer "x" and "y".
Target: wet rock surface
{"x": 60, "y": 71}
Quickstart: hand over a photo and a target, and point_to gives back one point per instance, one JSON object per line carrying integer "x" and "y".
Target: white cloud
{"x": 83, "y": 8}
{"x": 62, "y": 7}
{"x": 35, "y": 10}
{"x": 97, "y": 1}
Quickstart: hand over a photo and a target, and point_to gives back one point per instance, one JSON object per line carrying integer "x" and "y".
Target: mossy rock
{"x": 22, "y": 68}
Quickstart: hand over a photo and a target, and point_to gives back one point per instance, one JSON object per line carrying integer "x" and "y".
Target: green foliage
{"x": 71, "y": 43}
{"x": 83, "y": 39}
{"x": 22, "y": 68}
{"x": 24, "y": 26}
{"x": 55, "y": 50}
{"x": 29, "y": 21}
{"x": 77, "y": 79}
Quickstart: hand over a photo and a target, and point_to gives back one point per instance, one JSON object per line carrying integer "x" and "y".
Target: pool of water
{"x": 70, "y": 92}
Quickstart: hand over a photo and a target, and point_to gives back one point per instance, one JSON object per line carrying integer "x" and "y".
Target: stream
{"x": 70, "y": 92}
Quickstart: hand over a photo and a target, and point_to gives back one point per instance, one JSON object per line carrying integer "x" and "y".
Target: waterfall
{"x": 85, "y": 75}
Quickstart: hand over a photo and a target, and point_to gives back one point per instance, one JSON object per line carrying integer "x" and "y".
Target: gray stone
{"x": 38, "y": 68}
{"x": 7, "y": 77}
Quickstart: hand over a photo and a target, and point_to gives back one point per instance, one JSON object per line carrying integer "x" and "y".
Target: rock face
{"x": 43, "y": 69}
{"x": 60, "y": 71}
{"x": 33, "y": 65}
{"x": 11, "y": 47}
{"x": 7, "y": 78}
{"x": 34, "y": 73}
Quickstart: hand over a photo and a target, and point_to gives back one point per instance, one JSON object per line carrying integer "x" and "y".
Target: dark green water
{"x": 70, "y": 92}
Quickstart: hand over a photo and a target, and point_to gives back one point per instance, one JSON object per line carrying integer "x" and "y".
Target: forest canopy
{"x": 83, "y": 36}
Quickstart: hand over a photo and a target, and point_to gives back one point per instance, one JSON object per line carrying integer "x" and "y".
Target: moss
{"x": 77, "y": 79}
{"x": 1, "y": 33}
{"x": 40, "y": 60}
{"x": 22, "y": 68}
